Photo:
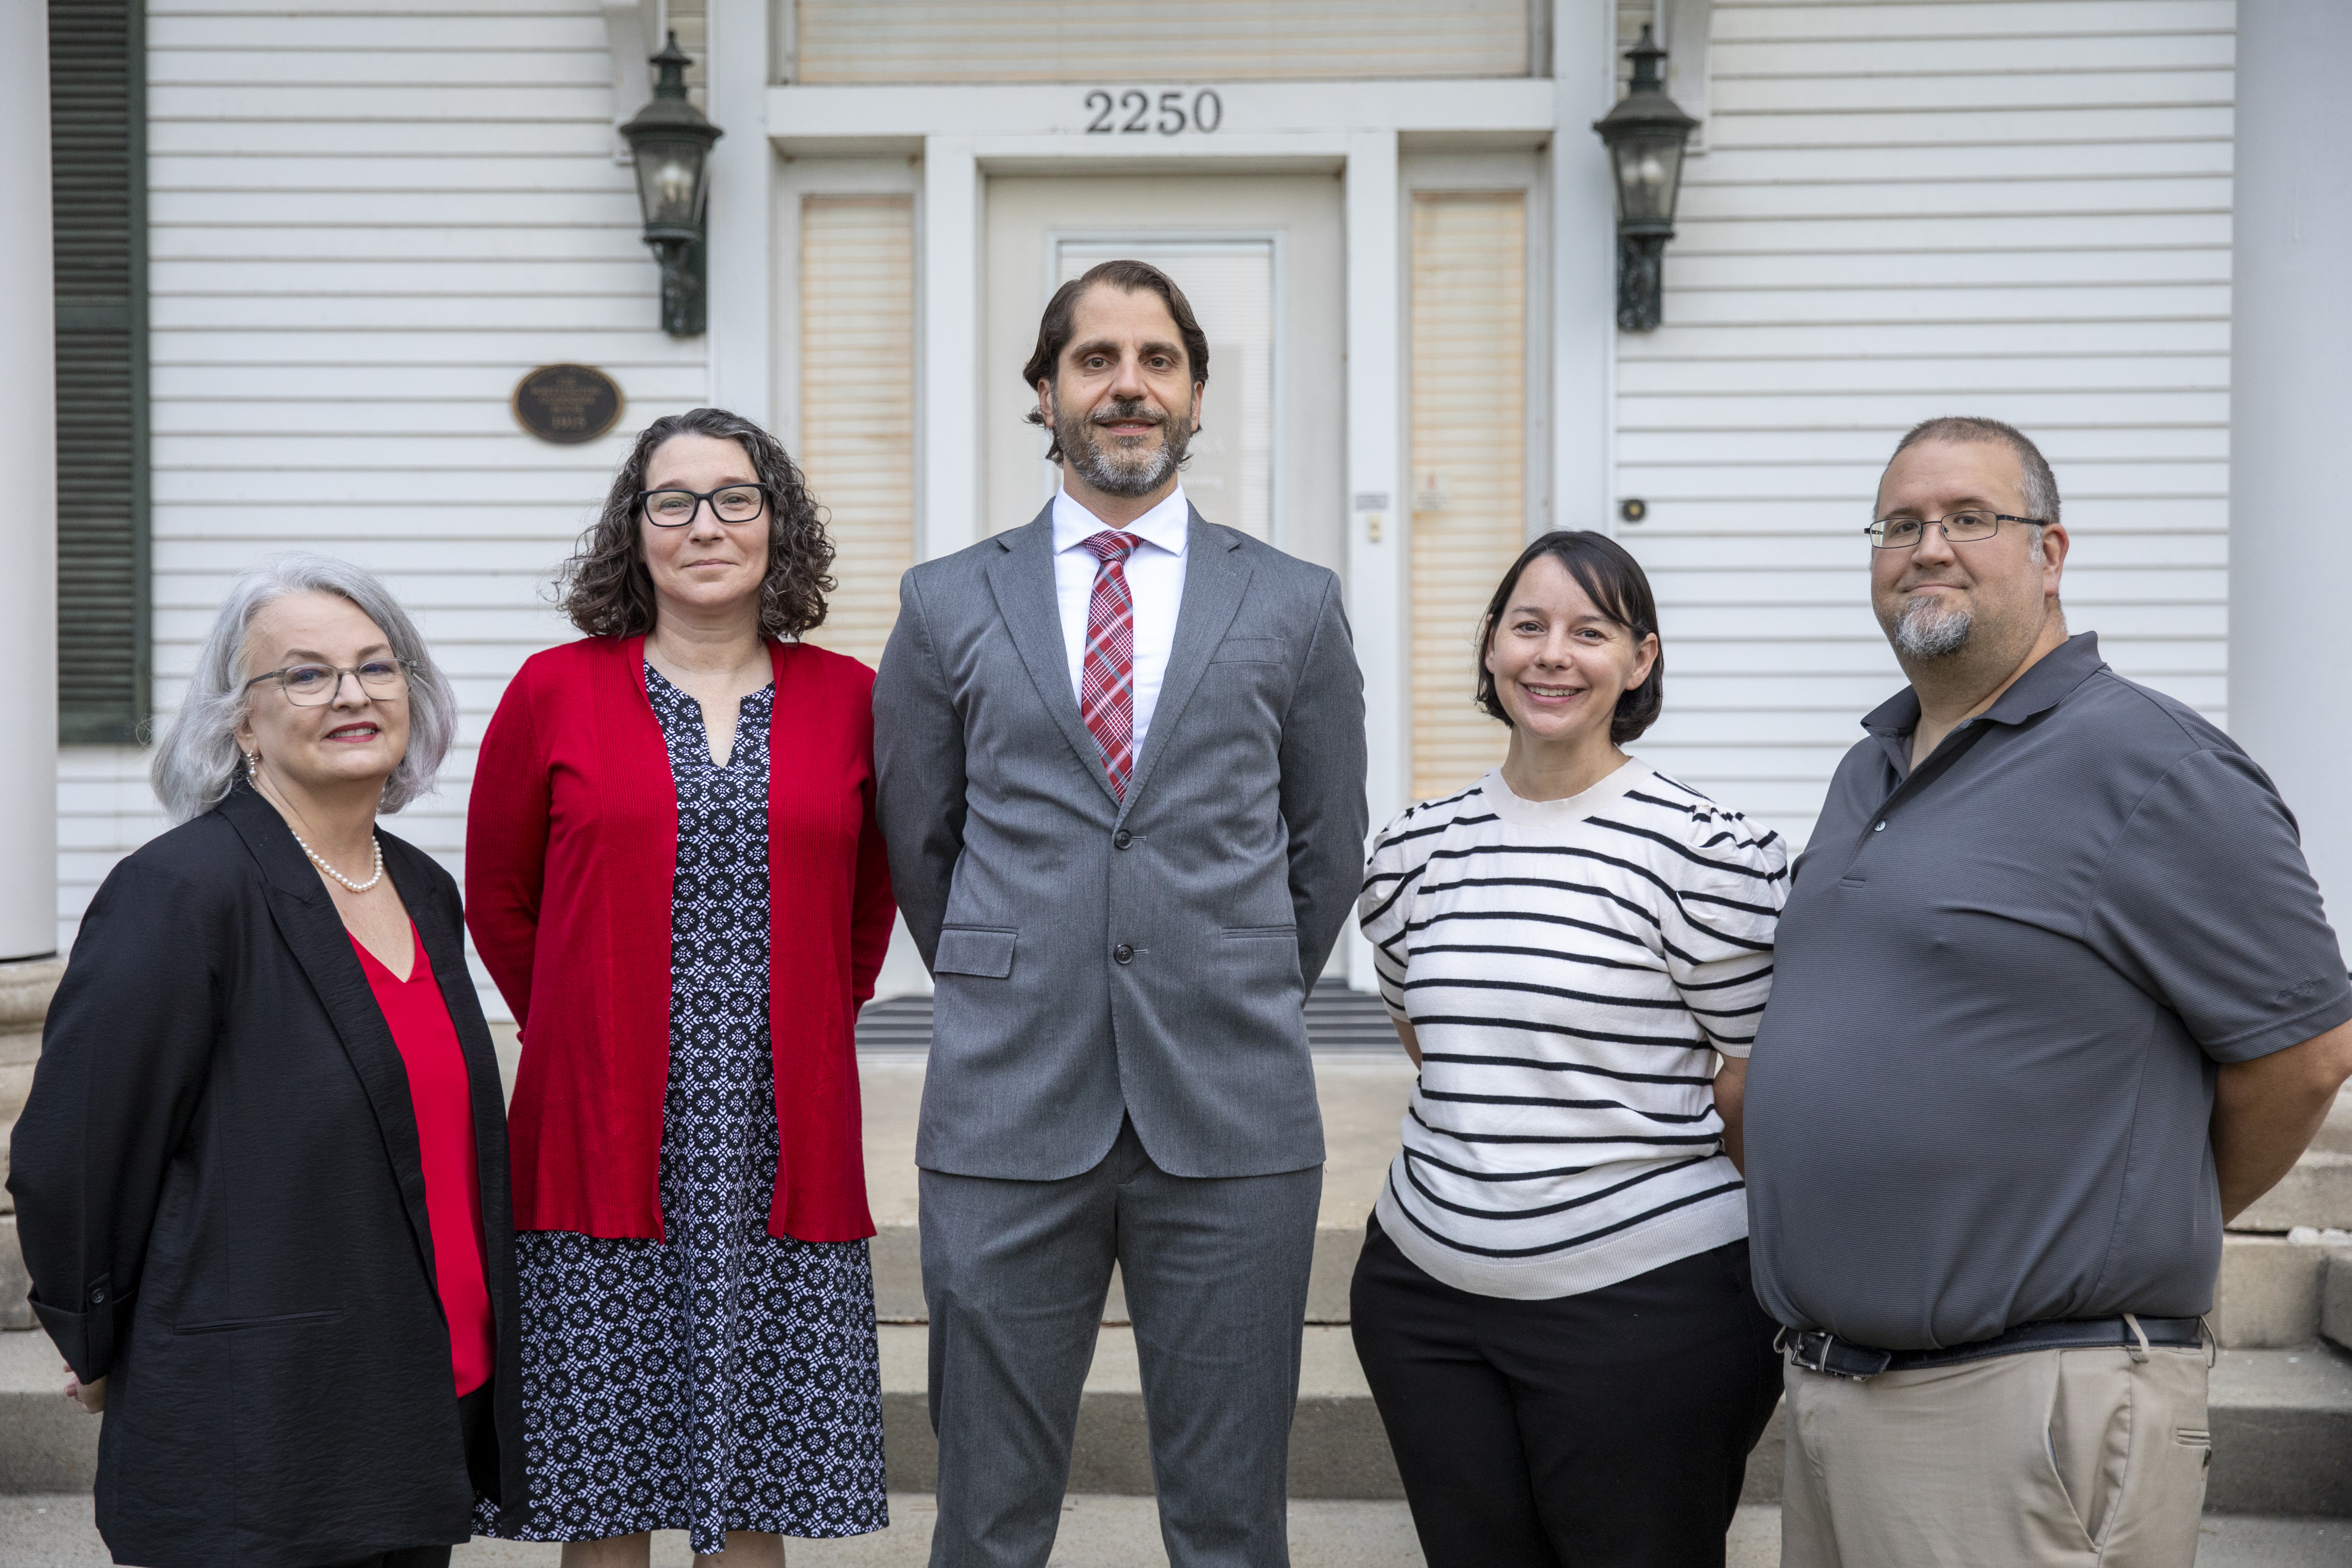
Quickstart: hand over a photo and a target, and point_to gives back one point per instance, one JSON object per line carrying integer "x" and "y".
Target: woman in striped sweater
{"x": 1553, "y": 1304}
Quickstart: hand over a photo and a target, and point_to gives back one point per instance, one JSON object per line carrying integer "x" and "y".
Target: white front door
{"x": 1259, "y": 257}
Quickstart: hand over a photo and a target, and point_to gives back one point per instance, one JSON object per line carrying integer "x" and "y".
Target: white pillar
{"x": 741, "y": 219}
{"x": 2291, "y": 382}
{"x": 1584, "y": 269}
{"x": 948, "y": 509}
{"x": 28, "y": 523}
{"x": 1376, "y": 480}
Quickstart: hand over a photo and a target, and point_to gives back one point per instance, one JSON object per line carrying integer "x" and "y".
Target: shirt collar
{"x": 2039, "y": 689}
{"x": 1165, "y": 525}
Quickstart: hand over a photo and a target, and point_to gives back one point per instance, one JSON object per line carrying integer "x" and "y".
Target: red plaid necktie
{"x": 1107, "y": 673}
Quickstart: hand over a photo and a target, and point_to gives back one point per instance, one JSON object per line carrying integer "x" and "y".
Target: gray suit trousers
{"x": 1016, "y": 1272}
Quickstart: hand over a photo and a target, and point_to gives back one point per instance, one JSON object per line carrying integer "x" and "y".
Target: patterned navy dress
{"x": 723, "y": 1379}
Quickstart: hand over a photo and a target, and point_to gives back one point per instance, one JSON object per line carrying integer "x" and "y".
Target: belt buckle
{"x": 1813, "y": 1350}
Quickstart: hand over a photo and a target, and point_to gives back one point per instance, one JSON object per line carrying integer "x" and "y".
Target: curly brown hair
{"x": 608, "y": 593}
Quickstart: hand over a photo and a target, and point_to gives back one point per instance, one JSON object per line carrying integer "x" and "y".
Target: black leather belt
{"x": 1816, "y": 1350}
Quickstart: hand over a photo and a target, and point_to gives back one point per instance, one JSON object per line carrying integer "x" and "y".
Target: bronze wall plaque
{"x": 567, "y": 404}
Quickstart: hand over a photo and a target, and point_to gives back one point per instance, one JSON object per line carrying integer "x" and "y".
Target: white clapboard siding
{"x": 858, "y": 405}
{"x": 1912, "y": 208}
{"x": 368, "y": 222}
{"x": 1175, "y": 41}
{"x": 1469, "y": 284}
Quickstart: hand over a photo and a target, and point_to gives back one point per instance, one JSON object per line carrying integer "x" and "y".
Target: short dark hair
{"x": 1959, "y": 429}
{"x": 1619, "y": 586}
{"x": 608, "y": 593}
{"x": 1054, "y": 328}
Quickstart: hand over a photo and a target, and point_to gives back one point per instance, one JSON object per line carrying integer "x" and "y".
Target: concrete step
{"x": 2271, "y": 1294}
{"x": 46, "y": 1443}
{"x": 25, "y": 988}
{"x": 2282, "y": 1423}
{"x": 1096, "y": 1532}
{"x": 2271, "y": 1291}
{"x": 15, "y": 1285}
{"x": 1363, "y": 1093}
{"x": 2318, "y": 1192}
{"x": 897, "y": 1251}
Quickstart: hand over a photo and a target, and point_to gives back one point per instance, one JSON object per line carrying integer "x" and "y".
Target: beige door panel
{"x": 1260, "y": 257}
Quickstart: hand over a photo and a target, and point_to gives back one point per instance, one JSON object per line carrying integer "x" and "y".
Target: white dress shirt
{"x": 1155, "y": 578}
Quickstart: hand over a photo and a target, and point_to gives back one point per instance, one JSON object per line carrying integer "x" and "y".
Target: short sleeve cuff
{"x": 2270, "y": 1038}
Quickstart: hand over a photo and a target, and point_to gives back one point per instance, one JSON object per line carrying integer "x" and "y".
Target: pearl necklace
{"x": 338, "y": 876}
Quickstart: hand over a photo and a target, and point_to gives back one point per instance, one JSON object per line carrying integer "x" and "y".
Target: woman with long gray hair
{"x": 261, "y": 1179}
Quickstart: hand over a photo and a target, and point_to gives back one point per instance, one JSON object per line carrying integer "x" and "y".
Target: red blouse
{"x": 571, "y": 847}
{"x": 441, "y": 1094}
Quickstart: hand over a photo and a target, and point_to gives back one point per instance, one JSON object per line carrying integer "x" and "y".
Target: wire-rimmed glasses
{"x": 729, "y": 503}
{"x": 1960, "y": 527}
{"x": 315, "y": 685}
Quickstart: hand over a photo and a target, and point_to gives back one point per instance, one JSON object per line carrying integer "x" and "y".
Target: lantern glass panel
{"x": 1649, "y": 171}
{"x": 670, "y": 181}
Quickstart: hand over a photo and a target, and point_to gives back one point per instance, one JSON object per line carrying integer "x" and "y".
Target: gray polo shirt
{"x": 1981, "y": 1090}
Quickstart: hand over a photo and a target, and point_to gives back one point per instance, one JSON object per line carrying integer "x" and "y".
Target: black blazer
{"x": 222, "y": 1206}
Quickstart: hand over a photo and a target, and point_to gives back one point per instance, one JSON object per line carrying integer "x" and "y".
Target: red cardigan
{"x": 571, "y": 847}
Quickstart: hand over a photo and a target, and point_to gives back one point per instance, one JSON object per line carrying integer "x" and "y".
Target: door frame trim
{"x": 1357, "y": 130}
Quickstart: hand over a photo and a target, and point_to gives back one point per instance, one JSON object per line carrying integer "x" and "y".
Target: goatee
{"x": 1119, "y": 473}
{"x": 1927, "y": 629}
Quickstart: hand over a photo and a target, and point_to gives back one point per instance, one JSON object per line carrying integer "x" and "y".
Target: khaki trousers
{"x": 2057, "y": 1459}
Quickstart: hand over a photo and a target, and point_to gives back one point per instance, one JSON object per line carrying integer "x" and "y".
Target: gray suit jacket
{"x": 1225, "y": 875}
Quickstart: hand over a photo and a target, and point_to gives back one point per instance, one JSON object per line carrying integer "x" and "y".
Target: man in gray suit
{"x": 1121, "y": 761}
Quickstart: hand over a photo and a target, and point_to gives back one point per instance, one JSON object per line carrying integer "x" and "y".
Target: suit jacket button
{"x": 97, "y": 1297}
{"x": 1122, "y": 954}
{"x": 1122, "y": 838}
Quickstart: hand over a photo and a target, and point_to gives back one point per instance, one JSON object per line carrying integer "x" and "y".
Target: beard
{"x": 1928, "y": 630}
{"x": 1115, "y": 472}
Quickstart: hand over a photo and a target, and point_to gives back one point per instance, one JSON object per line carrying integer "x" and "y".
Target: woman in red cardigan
{"x": 674, "y": 875}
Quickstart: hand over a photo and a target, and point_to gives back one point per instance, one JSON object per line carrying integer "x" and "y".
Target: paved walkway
{"x": 1124, "y": 1533}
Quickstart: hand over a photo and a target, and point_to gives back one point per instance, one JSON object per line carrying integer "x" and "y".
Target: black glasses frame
{"x": 1876, "y": 532}
{"x": 703, "y": 499}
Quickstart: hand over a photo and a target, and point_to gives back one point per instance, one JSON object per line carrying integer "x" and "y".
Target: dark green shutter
{"x": 97, "y": 168}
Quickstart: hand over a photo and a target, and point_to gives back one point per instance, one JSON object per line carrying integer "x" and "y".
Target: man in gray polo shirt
{"x": 2053, "y": 994}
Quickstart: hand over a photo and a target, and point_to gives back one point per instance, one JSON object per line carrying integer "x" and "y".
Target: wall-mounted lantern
{"x": 671, "y": 141}
{"x": 1644, "y": 134}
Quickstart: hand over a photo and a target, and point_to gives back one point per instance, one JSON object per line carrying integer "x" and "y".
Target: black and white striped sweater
{"x": 1570, "y": 968}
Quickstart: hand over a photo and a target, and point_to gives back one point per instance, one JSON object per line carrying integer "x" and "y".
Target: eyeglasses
{"x": 1903, "y": 532}
{"x": 315, "y": 685}
{"x": 729, "y": 503}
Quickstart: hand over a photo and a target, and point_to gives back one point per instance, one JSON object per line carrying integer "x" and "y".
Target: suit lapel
{"x": 314, "y": 932}
{"x": 1021, "y": 576}
{"x": 1215, "y": 580}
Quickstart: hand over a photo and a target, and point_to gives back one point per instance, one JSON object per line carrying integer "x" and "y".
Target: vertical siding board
{"x": 2016, "y": 209}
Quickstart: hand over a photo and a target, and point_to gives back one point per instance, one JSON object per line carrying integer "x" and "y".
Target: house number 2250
{"x": 1135, "y": 113}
